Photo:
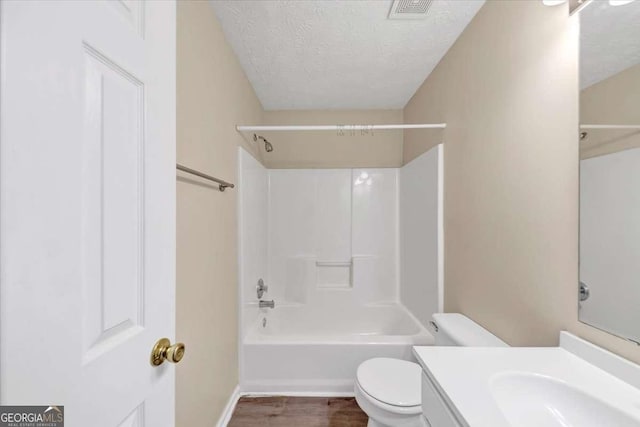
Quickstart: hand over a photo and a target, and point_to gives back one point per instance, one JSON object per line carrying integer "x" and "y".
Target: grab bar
{"x": 333, "y": 263}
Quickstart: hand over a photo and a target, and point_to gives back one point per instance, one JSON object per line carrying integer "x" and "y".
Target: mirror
{"x": 609, "y": 291}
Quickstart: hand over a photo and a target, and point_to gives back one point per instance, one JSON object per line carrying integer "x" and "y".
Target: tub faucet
{"x": 261, "y": 288}
{"x": 267, "y": 304}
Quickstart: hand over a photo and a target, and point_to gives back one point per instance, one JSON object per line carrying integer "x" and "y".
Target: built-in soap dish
{"x": 334, "y": 274}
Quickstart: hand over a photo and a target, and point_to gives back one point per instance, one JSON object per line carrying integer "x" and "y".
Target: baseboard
{"x": 306, "y": 387}
{"x": 297, "y": 393}
{"x": 225, "y": 417}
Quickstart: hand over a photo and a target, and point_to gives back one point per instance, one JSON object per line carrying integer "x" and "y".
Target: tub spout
{"x": 267, "y": 304}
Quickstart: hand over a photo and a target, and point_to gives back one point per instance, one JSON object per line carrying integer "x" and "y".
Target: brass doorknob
{"x": 163, "y": 350}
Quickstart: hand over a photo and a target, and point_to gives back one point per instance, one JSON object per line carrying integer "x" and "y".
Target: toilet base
{"x": 381, "y": 417}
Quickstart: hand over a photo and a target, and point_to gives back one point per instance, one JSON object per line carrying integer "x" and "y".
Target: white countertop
{"x": 463, "y": 376}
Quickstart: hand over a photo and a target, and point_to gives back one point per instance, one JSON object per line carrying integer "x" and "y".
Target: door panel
{"x": 87, "y": 214}
{"x": 113, "y": 206}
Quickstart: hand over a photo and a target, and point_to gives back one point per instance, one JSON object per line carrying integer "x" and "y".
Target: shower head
{"x": 267, "y": 145}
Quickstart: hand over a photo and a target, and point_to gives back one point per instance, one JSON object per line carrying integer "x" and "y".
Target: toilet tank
{"x": 454, "y": 329}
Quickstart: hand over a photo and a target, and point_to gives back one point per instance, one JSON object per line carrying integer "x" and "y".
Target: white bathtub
{"x": 305, "y": 349}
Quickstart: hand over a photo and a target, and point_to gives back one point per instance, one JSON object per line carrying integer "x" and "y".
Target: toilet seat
{"x": 385, "y": 407}
{"x": 392, "y": 384}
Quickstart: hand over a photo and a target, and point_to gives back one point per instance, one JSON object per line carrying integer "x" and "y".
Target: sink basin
{"x": 577, "y": 384}
{"x": 534, "y": 400}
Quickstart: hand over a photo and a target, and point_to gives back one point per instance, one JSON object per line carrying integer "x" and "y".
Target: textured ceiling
{"x": 338, "y": 54}
{"x": 609, "y": 40}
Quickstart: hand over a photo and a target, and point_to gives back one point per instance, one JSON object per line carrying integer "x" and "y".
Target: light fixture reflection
{"x": 362, "y": 178}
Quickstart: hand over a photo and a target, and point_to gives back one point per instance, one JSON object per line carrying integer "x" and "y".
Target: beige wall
{"x": 325, "y": 149}
{"x": 213, "y": 96}
{"x": 510, "y": 161}
{"x": 508, "y": 90}
{"x": 613, "y": 101}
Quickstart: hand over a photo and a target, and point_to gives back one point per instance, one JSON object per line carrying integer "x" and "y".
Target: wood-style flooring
{"x": 281, "y": 411}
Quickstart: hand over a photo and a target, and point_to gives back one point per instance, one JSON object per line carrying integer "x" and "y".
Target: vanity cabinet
{"x": 434, "y": 408}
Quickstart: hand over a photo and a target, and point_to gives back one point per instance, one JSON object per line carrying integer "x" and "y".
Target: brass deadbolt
{"x": 163, "y": 350}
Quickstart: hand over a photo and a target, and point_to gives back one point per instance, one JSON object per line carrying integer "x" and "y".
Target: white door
{"x": 87, "y": 208}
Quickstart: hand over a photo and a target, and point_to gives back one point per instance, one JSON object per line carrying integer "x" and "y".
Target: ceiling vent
{"x": 409, "y": 9}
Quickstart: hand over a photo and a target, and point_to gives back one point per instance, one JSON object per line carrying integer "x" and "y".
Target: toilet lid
{"x": 392, "y": 381}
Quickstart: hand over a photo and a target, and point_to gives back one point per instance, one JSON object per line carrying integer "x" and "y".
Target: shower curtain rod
{"x": 609, "y": 126}
{"x": 338, "y": 127}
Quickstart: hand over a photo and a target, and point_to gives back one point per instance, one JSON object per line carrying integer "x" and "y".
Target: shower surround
{"x": 329, "y": 245}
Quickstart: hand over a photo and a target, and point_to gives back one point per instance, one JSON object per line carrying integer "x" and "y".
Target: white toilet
{"x": 388, "y": 390}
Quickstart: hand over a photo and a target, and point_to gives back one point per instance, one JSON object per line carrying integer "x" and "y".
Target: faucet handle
{"x": 261, "y": 288}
